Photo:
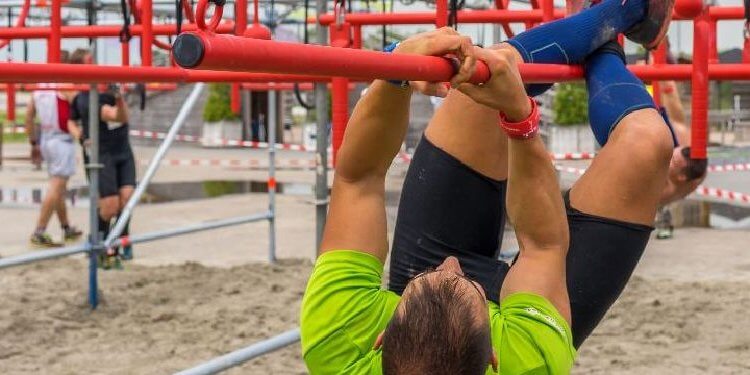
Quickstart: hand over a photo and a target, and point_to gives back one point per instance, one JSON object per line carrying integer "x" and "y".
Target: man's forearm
{"x": 534, "y": 203}
{"x": 375, "y": 131}
{"x": 122, "y": 109}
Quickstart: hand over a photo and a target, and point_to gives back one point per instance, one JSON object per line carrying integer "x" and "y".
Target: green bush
{"x": 571, "y": 104}
{"x": 218, "y": 105}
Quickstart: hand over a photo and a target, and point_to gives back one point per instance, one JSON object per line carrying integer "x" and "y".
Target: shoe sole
{"x": 652, "y": 30}
{"x": 649, "y": 32}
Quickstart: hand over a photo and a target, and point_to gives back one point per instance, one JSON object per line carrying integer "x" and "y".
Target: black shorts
{"x": 448, "y": 209}
{"x": 118, "y": 170}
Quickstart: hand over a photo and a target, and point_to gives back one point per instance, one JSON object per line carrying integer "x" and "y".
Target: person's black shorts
{"x": 118, "y": 170}
{"x": 448, "y": 209}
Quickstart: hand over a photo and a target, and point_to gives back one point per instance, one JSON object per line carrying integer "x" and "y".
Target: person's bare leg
{"x": 61, "y": 208}
{"x": 50, "y": 202}
{"x": 469, "y": 131}
{"x": 625, "y": 180}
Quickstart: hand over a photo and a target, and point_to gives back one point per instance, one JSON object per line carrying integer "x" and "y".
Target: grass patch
{"x": 15, "y": 138}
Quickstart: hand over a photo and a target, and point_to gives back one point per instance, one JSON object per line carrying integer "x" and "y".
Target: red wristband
{"x": 524, "y": 129}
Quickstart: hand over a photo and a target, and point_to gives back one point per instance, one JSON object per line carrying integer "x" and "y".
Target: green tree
{"x": 571, "y": 104}
{"x": 218, "y": 104}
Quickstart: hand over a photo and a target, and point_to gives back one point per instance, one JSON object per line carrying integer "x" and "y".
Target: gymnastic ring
{"x": 200, "y": 14}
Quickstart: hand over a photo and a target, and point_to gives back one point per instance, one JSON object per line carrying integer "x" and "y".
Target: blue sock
{"x": 614, "y": 92}
{"x": 571, "y": 39}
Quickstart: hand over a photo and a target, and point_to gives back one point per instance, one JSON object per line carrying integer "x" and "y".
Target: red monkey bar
{"x": 230, "y": 53}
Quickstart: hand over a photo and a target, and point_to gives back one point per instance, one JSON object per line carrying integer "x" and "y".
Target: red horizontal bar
{"x": 82, "y": 87}
{"x": 68, "y": 73}
{"x": 43, "y": 32}
{"x": 420, "y": 18}
{"x": 489, "y": 16}
{"x": 208, "y": 51}
{"x": 726, "y": 13}
{"x": 282, "y": 86}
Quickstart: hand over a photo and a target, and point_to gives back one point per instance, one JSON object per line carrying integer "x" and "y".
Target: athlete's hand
{"x": 505, "y": 90}
{"x": 441, "y": 42}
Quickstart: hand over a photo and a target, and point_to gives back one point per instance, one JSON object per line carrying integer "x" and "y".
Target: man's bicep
{"x": 356, "y": 218}
{"x": 541, "y": 273}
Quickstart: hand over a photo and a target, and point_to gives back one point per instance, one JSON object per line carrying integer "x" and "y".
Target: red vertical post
{"x": 234, "y": 98}
{"x": 147, "y": 35}
{"x": 53, "y": 44}
{"x": 441, "y": 13}
{"x": 240, "y": 18}
{"x": 125, "y": 52}
{"x": 701, "y": 43}
{"x": 660, "y": 58}
{"x": 357, "y": 36}
{"x": 240, "y": 24}
{"x": 548, "y": 10}
{"x": 11, "y": 103}
{"x": 339, "y": 112}
{"x": 340, "y": 37}
{"x": 713, "y": 54}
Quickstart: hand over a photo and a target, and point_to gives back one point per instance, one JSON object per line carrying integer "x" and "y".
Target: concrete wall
{"x": 161, "y": 110}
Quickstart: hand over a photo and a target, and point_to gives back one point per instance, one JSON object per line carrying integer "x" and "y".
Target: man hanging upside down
{"x": 460, "y": 310}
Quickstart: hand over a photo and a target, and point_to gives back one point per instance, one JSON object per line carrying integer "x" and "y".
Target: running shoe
{"x": 649, "y": 32}
{"x": 43, "y": 240}
{"x": 127, "y": 252}
{"x": 72, "y": 233}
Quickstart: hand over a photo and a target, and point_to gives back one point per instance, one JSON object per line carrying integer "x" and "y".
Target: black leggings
{"x": 448, "y": 209}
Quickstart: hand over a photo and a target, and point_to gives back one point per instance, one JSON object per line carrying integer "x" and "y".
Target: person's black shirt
{"x": 112, "y": 136}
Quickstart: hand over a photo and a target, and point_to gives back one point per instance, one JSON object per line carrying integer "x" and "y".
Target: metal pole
{"x": 321, "y": 138}
{"x": 32, "y": 257}
{"x": 192, "y": 228}
{"x": 238, "y": 357}
{"x": 155, "y": 162}
{"x": 272, "y": 120}
{"x": 93, "y": 170}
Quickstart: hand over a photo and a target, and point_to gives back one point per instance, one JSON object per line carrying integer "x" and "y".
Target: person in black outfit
{"x": 117, "y": 176}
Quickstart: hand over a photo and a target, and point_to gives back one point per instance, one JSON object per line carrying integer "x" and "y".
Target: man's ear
{"x": 378, "y": 341}
{"x": 493, "y": 361}
{"x": 681, "y": 177}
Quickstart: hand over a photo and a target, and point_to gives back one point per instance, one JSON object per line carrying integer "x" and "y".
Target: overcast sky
{"x": 680, "y": 34}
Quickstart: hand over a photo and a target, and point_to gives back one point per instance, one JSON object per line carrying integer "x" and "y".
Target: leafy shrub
{"x": 218, "y": 105}
{"x": 571, "y": 104}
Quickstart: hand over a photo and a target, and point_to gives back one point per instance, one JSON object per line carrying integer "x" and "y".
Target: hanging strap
{"x": 125, "y": 35}
{"x": 453, "y": 14}
{"x": 177, "y": 15}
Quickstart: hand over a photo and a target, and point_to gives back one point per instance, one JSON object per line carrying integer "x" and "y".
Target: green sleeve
{"x": 343, "y": 310}
{"x": 530, "y": 336}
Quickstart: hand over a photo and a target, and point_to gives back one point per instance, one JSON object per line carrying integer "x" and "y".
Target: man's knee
{"x": 645, "y": 136}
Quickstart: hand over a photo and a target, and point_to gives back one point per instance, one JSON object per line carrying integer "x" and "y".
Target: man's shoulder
{"x": 531, "y": 337}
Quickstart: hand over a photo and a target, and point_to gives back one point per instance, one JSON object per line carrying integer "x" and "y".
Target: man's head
{"x": 684, "y": 169}
{"x": 80, "y": 56}
{"x": 441, "y": 326}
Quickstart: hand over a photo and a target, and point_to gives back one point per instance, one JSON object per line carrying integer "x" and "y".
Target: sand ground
{"x": 188, "y": 299}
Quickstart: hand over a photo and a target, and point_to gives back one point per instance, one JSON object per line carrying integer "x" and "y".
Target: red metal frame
{"x": 234, "y": 53}
{"x": 75, "y": 73}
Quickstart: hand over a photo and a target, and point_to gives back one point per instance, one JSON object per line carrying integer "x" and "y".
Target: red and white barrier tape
{"x": 705, "y": 191}
{"x": 723, "y": 194}
{"x": 572, "y": 156}
{"x": 14, "y": 130}
{"x": 571, "y": 170}
{"x": 741, "y": 167}
{"x": 222, "y": 142}
{"x": 283, "y": 164}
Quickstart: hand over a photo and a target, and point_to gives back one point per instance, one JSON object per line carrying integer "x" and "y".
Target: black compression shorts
{"x": 448, "y": 209}
{"x": 118, "y": 170}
